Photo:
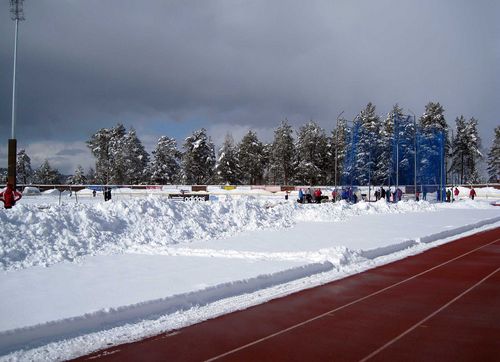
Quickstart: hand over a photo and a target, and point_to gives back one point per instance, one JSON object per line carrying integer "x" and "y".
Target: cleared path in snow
{"x": 439, "y": 305}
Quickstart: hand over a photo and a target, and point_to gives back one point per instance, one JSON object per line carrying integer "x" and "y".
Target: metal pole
{"x": 17, "y": 14}
{"x": 12, "y": 149}
{"x": 337, "y": 146}
{"x": 13, "y": 135}
{"x": 415, "y": 154}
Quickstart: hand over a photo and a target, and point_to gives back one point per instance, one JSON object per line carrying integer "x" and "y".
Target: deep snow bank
{"x": 43, "y": 236}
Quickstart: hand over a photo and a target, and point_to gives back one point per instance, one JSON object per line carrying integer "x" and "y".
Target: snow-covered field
{"x": 80, "y": 276}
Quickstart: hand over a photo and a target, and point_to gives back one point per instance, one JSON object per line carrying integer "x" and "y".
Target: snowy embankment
{"x": 85, "y": 268}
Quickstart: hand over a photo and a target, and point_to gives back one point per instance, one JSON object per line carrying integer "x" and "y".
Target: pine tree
{"x": 117, "y": 159}
{"x": 433, "y": 118}
{"x": 227, "y": 168}
{"x": 79, "y": 177}
{"x": 46, "y": 175}
{"x": 474, "y": 151}
{"x": 465, "y": 151}
{"x": 105, "y": 147}
{"x": 120, "y": 156}
{"x": 198, "y": 160}
{"x": 23, "y": 167}
{"x": 165, "y": 167}
{"x": 404, "y": 149}
{"x": 283, "y": 155}
{"x": 433, "y": 136}
{"x": 341, "y": 137}
{"x": 367, "y": 150}
{"x": 312, "y": 155}
{"x": 252, "y": 158}
{"x": 384, "y": 172}
{"x": 134, "y": 158}
{"x": 494, "y": 158}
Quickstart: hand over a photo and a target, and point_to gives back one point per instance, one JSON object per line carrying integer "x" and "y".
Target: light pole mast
{"x": 16, "y": 10}
{"x": 415, "y": 154}
{"x": 337, "y": 147}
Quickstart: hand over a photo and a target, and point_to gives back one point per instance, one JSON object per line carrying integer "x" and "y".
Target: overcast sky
{"x": 170, "y": 67}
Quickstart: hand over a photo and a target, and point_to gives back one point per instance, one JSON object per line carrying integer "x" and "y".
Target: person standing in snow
{"x": 399, "y": 194}
{"x": 448, "y": 195}
{"x": 382, "y": 193}
{"x": 10, "y": 196}
{"x": 308, "y": 195}
{"x": 456, "y": 192}
{"x": 317, "y": 196}
{"x": 472, "y": 193}
{"x": 301, "y": 196}
{"x": 334, "y": 195}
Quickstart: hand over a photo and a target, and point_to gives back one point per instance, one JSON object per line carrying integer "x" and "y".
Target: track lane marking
{"x": 295, "y": 326}
{"x": 416, "y": 325}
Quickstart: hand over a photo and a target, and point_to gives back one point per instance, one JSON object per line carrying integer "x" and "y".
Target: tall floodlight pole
{"x": 396, "y": 128}
{"x": 16, "y": 10}
{"x": 415, "y": 153}
{"x": 337, "y": 147}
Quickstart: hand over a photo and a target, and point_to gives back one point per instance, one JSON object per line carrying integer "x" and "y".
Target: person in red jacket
{"x": 317, "y": 195}
{"x": 472, "y": 193}
{"x": 10, "y": 196}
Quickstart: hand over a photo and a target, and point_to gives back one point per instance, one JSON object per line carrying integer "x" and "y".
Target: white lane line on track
{"x": 295, "y": 326}
{"x": 377, "y": 351}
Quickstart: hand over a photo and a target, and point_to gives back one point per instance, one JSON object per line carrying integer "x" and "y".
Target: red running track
{"x": 441, "y": 305}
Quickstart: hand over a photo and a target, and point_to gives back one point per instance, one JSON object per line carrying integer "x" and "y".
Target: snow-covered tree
{"x": 47, "y": 175}
{"x": 283, "y": 155}
{"x": 465, "y": 151}
{"x": 433, "y": 135}
{"x": 312, "y": 154}
{"x": 252, "y": 158}
{"x": 404, "y": 149}
{"x": 23, "y": 167}
{"x": 105, "y": 147}
{"x": 227, "y": 168}
{"x": 78, "y": 178}
{"x": 198, "y": 160}
{"x": 367, "y": 149}
{"x": 165, "y": 166}
{"x": 134, "y": 158}
{"x": 384, "y": 172}
{"x": 120, "y": 156}
{"x": 433, "y": 118}
{"x": 494, "y": 158}
{"x": 340, "y": 139}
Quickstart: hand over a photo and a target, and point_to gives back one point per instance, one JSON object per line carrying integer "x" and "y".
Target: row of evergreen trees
{"x": 306, "y": 156}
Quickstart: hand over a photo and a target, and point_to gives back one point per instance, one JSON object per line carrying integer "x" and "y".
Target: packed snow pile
{"x": 46, "y": 234}
{"x": 33, "y": 236}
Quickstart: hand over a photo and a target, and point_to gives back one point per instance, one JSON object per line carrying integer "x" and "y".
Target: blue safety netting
{"x": 407, "y": 140}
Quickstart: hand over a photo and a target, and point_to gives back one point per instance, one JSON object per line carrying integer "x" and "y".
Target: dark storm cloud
{"x": 89, "y": 64}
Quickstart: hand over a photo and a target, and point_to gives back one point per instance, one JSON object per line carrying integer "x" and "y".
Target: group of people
{"x": 452, "y": 194}
{"x": 307, "y": 196}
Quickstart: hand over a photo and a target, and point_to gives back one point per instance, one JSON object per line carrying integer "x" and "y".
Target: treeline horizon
{"x": 309, "y": 155}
